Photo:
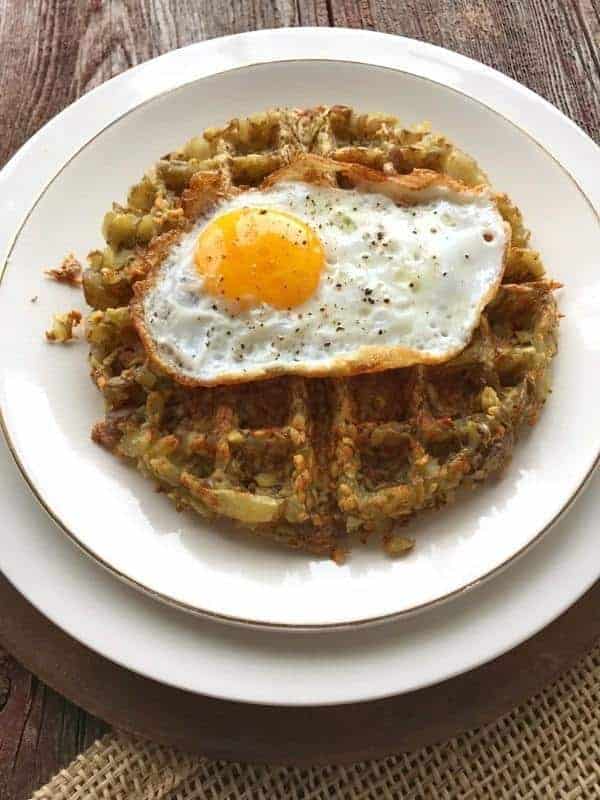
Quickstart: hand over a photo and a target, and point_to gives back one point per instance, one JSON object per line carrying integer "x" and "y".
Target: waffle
{"x": 312, "y": 462}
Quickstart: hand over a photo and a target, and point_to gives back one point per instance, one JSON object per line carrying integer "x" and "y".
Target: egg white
{"x": 407, "y": 277}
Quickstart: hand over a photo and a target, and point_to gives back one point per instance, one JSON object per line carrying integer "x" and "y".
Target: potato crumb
{"x": 107, "y": 434}
{"x": 489, "y": 399}
{"x": 68, "y": 272}
{"x": 62, "y": 327}
{"x": 397, "y": 545}
{"x": 339, "y": 556}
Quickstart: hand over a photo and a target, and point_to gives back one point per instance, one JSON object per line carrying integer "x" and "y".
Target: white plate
{"x": 289, "y": 668}
{"x": 49, "y": 405}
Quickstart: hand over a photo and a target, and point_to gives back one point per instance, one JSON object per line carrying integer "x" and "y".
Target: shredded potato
{"x": 311, "y": 463}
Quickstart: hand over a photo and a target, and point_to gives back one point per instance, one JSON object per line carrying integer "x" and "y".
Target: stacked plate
{"x": 192, "y": 604}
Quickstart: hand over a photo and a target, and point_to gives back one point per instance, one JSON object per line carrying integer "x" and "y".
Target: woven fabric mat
{"x": 548, "y": 747}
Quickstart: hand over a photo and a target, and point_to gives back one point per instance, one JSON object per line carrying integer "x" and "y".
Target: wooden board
{"x": 52, "y": 51}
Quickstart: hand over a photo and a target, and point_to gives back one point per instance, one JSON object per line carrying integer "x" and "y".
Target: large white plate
{"x": 528, "y": 148}
{"x": 291, "y": 668}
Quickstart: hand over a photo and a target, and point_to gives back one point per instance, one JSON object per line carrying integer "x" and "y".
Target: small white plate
{"x": 48, "y": 404}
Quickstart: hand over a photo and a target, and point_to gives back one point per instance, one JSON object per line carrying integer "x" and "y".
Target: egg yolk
{"x": 260, "y": 255}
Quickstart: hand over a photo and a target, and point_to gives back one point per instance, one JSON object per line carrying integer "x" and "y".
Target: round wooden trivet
{"x": 315, "y": 735}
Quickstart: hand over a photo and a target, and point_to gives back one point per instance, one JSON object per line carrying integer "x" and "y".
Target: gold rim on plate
{"x": 359, "y": 623}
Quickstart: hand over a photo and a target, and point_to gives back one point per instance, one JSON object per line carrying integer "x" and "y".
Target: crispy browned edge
{"x": 207, "y": 188}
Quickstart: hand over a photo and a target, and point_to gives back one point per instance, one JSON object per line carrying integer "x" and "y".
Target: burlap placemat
{"x": 548, "y": 747}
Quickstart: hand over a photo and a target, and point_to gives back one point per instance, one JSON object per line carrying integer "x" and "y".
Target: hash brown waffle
{"x": 309, "y": 461}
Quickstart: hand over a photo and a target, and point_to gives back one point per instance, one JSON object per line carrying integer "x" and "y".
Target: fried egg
{"x": 326, "y": 269}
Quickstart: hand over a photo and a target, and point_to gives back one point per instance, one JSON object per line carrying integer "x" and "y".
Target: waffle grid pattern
{"x": 309, "y": 461}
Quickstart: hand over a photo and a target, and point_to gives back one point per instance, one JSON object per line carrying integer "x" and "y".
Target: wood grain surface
{"x": 53, "y": 51}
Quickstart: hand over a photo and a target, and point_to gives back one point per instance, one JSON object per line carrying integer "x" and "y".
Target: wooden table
{"x": 52, "y": 51}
